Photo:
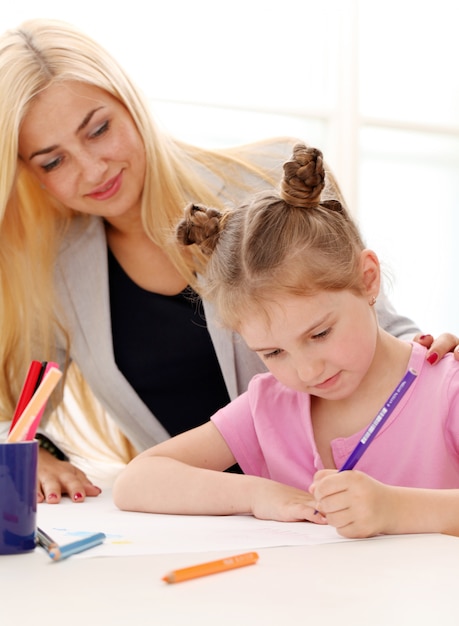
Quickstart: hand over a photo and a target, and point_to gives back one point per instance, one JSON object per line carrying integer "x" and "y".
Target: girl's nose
{"x": 309, "y": 370}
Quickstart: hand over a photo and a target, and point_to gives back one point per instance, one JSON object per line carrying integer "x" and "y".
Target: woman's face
{"x": 83, "y": 146}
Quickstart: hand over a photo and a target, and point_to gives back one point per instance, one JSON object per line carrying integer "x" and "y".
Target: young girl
{"x": 292, "y": 276}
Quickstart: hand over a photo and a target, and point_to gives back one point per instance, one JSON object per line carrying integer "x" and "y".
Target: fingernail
{"x": 77, "y": 496}
{"x": 51, "y": 496}
{"x": 423, "y": 337}
{"x": 432, "y": 358}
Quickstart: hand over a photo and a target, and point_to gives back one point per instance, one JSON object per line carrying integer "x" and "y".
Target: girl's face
{"x": 83, "y": 146}
{"x": 322, "y": 344}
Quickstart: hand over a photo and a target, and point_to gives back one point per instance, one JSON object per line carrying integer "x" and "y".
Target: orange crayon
{"x": 213, "y": 567}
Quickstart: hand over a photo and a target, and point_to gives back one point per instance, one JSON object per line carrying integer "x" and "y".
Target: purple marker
{"x": 379, "y": 420}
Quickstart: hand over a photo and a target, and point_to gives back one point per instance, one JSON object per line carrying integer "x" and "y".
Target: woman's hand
{"x": 437, "y": 348}
{"x": 353, "y": 502}
{"x": 56, "y": 478}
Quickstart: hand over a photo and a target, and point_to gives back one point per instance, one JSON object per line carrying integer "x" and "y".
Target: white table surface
{"x": 389, "y": 581}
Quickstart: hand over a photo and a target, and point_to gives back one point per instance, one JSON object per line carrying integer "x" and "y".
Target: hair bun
{"x": 304, "y": 177}
{"x": 200, "y": 226}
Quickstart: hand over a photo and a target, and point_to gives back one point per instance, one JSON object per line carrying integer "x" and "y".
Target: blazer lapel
{"x": 82, "y": 283}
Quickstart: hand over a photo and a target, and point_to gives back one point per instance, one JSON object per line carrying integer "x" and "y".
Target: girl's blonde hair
{"x": 292, "y": 242}
{"x": 33, "y": 56}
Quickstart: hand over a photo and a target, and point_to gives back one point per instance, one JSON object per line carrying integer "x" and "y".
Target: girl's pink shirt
{"x": 269, "y": 431}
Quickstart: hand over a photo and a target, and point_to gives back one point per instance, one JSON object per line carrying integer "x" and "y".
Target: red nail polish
{"x": 52, "y": 496}
{"x": 422, "y": 337}
{"x": 432, "y": 358}
{"x": 77, "y": 496}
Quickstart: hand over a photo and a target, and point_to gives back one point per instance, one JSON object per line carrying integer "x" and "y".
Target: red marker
{"x": 28, "y": 389}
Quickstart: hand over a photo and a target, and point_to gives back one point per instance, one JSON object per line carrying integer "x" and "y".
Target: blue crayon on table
{"x": 62, "y": 552}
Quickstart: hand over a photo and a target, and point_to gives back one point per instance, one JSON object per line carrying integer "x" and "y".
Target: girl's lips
{"x": 328, "y": 383}
{"x": 108, "y": 189}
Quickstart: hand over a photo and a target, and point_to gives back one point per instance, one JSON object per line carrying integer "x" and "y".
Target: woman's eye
{"x": 51, "y": 164}
{"x": 100, "y": 130}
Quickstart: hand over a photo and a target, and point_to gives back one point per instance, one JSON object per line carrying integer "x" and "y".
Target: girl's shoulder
{"x": 440, "y": 381}
{"x": 447, "y": 367}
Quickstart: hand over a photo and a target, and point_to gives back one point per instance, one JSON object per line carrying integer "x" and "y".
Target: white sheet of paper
{"x": 146, "y": 533}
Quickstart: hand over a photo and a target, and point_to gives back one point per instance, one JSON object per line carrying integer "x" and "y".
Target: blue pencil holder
{"x": 18, "y": 496}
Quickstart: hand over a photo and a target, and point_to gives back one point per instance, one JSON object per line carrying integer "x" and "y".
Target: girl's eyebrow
{"x": 83, "y": 125}
{"x": 305, "y": 333}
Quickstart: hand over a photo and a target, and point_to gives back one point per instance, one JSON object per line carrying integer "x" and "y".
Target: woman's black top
{"x": 164, "y": 350}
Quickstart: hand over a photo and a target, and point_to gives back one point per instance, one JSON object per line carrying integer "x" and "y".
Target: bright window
{"x": 372, "y": 84}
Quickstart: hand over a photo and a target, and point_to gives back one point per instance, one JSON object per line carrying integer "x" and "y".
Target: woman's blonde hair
{"x": 291, "y": 242}
{"x": 33, "y": 56}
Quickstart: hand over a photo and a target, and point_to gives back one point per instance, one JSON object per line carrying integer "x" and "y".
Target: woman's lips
{"x": 108, "y": 189}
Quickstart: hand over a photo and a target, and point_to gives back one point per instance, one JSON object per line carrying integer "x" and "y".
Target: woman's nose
{"x": 92, "y": 168}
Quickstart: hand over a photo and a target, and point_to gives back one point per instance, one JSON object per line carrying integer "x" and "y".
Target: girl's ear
{"x": 371, "y": 273}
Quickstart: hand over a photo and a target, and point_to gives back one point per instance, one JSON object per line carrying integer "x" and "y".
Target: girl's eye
{"x": 100, "y": 130}
{"x": 323, "y": 334}
{"x": 48, "y": 167}
{"x": 273, "y": 354}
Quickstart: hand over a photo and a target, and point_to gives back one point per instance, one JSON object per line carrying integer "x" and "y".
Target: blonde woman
{"x": 89, "y": 189}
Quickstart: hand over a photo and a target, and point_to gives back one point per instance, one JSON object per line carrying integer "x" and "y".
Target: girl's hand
{"x": 437, "y": 348}
{"x": 353, "y": 502}
{"x": 56, "y": 478}
{"x": 275, "y": 501}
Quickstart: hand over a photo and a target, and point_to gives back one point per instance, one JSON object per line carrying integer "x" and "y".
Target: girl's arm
{"x": 185, "y": 475}
{"x": 360, "y": 506}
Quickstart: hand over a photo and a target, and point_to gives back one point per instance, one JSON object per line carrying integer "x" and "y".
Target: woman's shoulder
{"x": 83, "y": 231}
{"x": 254, "y": 167}
{"x": 263, "y": 163}
{"x": 267, "y": 154}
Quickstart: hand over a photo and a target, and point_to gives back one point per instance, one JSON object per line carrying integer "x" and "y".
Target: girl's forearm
{"x": 424, "y": 511}
{"x": 155, "y": 484}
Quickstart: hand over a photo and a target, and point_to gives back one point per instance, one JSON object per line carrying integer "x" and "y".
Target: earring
{"x": 372, "y": 301}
